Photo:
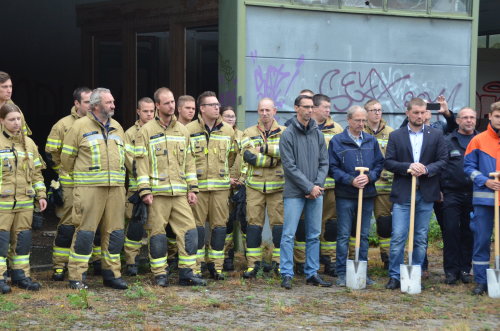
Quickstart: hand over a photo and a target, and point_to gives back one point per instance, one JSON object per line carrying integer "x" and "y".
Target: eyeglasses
{"x": 228, "y": 116}
{"x": 376, "y": 110}
{"x": 306, "y": 107}
{"x": 359, "y": 121}
{"x": 211, "y": 104}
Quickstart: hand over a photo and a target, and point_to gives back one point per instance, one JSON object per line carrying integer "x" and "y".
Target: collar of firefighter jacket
{"x": 381, "y": 127}
{"x": 74, "y": 113}
{"x": 329, "y": 123}
{"x": 275, "y": 128}
{"x": 170, "y": 125}
{"x": 15, "y": 138}
{"x": 106, "y": 126}
{"x": 218, "y": 123}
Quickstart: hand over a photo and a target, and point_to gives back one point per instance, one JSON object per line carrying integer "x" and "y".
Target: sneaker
{"x": 370, "y": 281}
{"x": 317, "y": 281}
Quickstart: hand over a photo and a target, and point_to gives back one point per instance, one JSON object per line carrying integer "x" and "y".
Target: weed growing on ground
{"x": 137, "y": 291}
{"x": 7, "y": 305}
{"x": 80, "y": 299}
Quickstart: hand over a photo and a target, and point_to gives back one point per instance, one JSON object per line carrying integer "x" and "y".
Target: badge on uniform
{"x": 454, "y": 153}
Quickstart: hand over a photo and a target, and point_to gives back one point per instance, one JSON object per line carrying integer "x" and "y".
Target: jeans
{"x": 293, "y": 208}
{"x": 346, "y": 219}
{"x": 400, "y": 230}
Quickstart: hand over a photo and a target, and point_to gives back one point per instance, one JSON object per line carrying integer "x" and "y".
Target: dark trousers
{"x": 457, "y": 236}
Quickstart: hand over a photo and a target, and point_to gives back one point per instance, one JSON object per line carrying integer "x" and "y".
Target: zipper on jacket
{"x": 15, "y": 175}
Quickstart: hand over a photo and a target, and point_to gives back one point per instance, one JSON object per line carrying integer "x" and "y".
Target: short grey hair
{"x": 95, "y": 96}
{"x": 354, "y": 109}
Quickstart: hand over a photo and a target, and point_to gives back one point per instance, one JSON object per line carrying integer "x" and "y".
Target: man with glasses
{"x": 214, "y": 147}
{"x": 348, "y": 150}
{"x": 457, "y": 201}
{"x": 377, "y": 127}
{"x": 305, "y": 165}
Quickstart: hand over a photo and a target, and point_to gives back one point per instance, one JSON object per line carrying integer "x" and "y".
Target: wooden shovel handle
{"x": 412, "y": 216}
{"x": 361, "y": 170}
{"x": 496, "y": 175}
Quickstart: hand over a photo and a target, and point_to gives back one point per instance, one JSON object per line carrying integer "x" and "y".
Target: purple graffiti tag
{"x": 269, "y": 83}
{"x": 356, "y": 87}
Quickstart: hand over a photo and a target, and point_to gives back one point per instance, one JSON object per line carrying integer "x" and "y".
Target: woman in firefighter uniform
{"x": 21, "y": 182}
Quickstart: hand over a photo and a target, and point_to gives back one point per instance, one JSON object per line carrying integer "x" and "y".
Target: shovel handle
{"x": 412, "y": 217}
{"x": 361, "y": 170}
{"x": 496, "y": 175}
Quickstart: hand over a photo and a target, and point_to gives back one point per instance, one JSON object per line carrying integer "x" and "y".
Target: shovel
{"x": 493, "y": 275}
{"x": 411, "y": 274}
{"x": 356, "y": 270}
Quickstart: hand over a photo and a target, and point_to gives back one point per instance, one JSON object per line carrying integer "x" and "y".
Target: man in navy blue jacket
{"x": 348, "y": 150}
{"x": 422, "y": 149}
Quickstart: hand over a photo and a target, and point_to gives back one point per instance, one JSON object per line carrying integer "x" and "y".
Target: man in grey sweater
{"x": 305, "y": 164}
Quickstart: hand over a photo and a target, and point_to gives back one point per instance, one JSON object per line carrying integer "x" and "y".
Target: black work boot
{"x": 216, "y": 274}
{"x": 27, "y": 284}
{"x": 132, "y": 270}
{"x": 97, "y": 266}
{"x": 187, "y": 278}
{"x": 252, "y": 272}
{"x": 4, "y": 287}
{"x": 229, "y": 261}
{"x": 116, "y": 283}
{"x": 329, "y": 265}
{"x": 480, "y": 289}
{"x": 450, "y": 278}
{"x": 162, "y": 280}
{"x": 276, "y": 268}
{"x": 385, "y": 259}
{"x": 58, "y": 275}
{"x": 172, "y": 265}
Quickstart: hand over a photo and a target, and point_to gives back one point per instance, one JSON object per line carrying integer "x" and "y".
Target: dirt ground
{"x": 250, "y": 305}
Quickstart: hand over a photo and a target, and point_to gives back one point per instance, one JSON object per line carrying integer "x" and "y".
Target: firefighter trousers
{"x": 257, "y": 205}
{"x": 173, "y": 210}
{"x": 15, "y": 231}
{"x": 97, "y": 207}
{"x": 212, "y": 206}
{"x": 65, "y": 230}
{"x": 328, "y": 238}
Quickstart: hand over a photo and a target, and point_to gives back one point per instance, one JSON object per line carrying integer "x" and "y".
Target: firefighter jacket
{"x": 330, "y": 129}
{"x": 262, "y": 155}
{"x": 165, "y": 165}
{"x": 384, "y": 184}
{"x": 482, "y": 157}
{"x": 53, "y": 147}
{"x": 239, "y": 165}
{"x": 93, "y": 153}
{"x": 130, "y": 152}
{"x": 20, "y": 174}
{"x": 215, "y": 153}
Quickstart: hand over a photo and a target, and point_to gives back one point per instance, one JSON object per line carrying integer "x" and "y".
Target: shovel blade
{"x": 411, "y": 278}
{"x": 355, "y": 277}
{"x": 493, "y": 277}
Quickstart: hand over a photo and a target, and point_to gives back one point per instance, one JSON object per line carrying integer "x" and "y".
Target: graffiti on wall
{"x": 347, "y": 88}
{"x": 488, "y": 94}
{"x": 275, "y": 81}
{"x": 227, "y": 82}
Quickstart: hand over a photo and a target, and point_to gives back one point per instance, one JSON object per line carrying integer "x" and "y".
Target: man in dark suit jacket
{"x": 421, "y": 149}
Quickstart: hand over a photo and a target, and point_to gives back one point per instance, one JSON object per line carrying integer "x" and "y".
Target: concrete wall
{"x": 353, "y": 58}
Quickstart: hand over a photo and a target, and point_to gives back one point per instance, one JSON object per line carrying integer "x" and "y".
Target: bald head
{"x": 266, "y": 110}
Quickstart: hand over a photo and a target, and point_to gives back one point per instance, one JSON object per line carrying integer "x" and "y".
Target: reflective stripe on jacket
{"x": 130, "y": 151}
{"x": 330, "y": 129}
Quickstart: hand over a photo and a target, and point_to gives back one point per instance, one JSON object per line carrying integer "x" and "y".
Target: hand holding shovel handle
{"x": 496, "y": 175}
{"x": 412, "y": 217}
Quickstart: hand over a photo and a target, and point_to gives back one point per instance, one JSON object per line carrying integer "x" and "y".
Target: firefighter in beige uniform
{"x": 377, "y": 127}
{"x": 5, "y": 97}
{"x": 94, "y": 154}
{"x": 135, "y": 230}
{"x": 214, "y": 147}
{"x": 53, "y": 148}
{"x": 166, "y": 180}
{"x": 264, "y": 184}
{"x": 21, "y": 182}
